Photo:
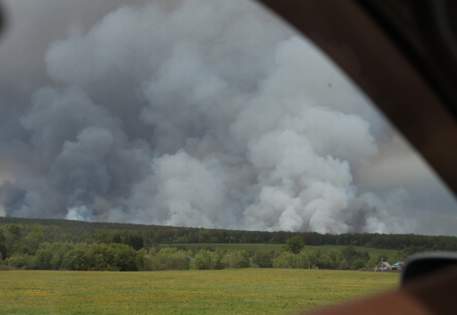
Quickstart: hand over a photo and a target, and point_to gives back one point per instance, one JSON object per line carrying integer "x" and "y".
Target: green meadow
{"x": 230, "y": 291}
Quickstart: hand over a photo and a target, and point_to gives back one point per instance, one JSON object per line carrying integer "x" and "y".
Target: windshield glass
{"x": 204, "y": 114}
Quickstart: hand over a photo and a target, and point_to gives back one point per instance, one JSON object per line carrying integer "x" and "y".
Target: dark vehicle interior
{"x": 403, "y": 54}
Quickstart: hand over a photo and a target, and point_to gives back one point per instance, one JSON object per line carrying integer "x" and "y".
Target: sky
{"x": 197, "y": 113}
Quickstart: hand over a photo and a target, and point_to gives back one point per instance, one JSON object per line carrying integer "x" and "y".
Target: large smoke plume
{"x": 195, "y": 113}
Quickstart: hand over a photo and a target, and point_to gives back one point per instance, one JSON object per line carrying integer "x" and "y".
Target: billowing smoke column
{"x": 199, "y": 113}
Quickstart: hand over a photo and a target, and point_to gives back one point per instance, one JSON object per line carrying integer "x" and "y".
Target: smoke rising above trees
{"x": 195, "y": 113}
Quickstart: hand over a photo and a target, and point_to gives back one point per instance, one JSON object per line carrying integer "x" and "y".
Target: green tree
{"x": 21, "y": 261}
{"x": 167, "y": 259}
{"x": 235, "y": 259}
{"x": 76, "y": 258}
{"x": 295, "y": 244}
{"x": 263, "y": 258}
{"x": 13, "y": 234}
{"x": 140, "y": 259}
{"x": 354, "y": 259}
{"x": 284, "y": 260}
{"x": 205, "y": 259}
{"x": 44, "y": 256}
{"x": 123, "y": 257}
{"x": 30, "y": 243}
{"x": 3, "y": 253}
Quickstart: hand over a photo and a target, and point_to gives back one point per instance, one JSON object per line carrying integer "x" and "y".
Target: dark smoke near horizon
{"x": 196, "y": 113}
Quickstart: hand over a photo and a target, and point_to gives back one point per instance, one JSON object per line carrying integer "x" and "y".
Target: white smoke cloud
{"x": 198, "y": 113}
{"x": 81, "y": 213}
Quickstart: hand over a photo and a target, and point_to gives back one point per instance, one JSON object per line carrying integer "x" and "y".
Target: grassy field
{"x": 241, "y": 291}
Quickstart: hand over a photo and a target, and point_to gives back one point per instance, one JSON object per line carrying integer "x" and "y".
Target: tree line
{"x": 58, "y": 244}
{"x": 144, "y": 236}
{"x": 121, "y": 257}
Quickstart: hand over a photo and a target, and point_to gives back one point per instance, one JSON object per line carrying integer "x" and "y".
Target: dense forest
{"x": 72, "y": 245}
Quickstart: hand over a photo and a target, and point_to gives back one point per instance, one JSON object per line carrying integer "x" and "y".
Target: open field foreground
{"x": 241, "y": 291}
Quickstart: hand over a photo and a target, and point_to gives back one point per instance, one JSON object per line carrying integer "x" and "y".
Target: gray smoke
{"x": 194, "y": 113}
